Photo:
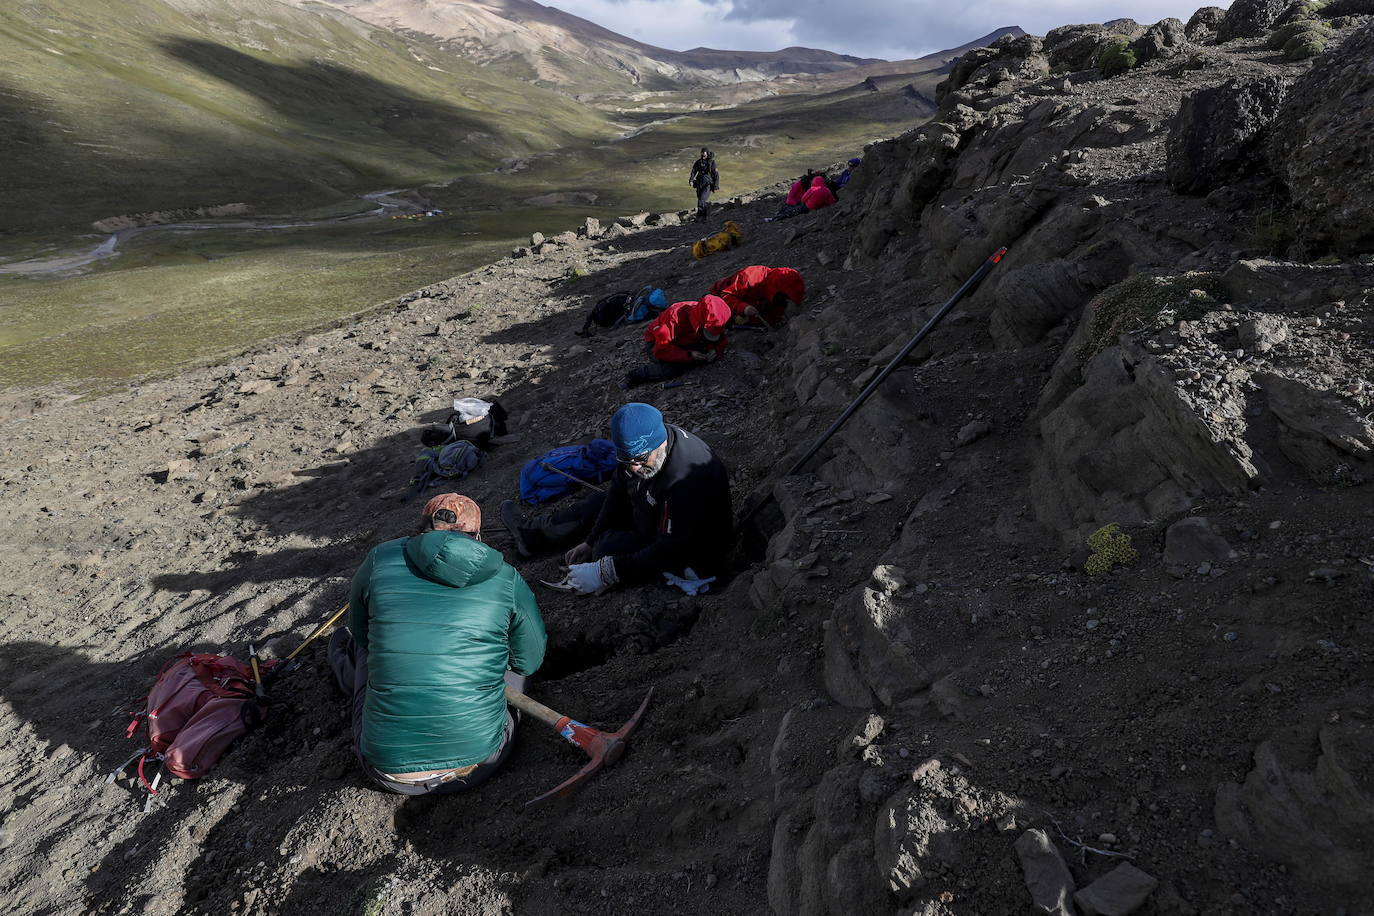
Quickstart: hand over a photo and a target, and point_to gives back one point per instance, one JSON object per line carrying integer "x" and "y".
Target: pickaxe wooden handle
{"x": 604, "y": 748}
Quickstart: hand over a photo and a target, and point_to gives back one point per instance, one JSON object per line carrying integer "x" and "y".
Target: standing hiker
{"x": 758, "y": 295}
{"x": 438, "y": 625}
{"x": 686, "y": 334}
{"x": 667, "y": 511}
{"x": 705, "y": 179}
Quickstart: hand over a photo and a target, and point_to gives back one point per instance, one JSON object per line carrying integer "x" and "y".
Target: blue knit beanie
{"x": 637, "y": 429}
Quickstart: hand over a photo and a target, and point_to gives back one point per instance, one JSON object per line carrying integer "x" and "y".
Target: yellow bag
{"x": 729, "y": 237}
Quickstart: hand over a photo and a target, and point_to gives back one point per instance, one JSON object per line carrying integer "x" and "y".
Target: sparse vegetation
{"x": 1116, "y": 57}
{"x": 1111, "y": 547}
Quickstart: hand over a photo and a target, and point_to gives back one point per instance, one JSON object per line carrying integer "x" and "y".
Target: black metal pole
{"x": 983, "y": 270}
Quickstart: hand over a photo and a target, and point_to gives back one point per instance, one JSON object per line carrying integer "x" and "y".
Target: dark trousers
{"x": 655, "y": 370}
{"x": 703, "y": 200}
{"x": 577, "y": 520}
{"x": 349, "y": 661}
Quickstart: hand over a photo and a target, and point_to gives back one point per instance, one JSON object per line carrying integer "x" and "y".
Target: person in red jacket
{"x": 819, "y": 195}
{"x": 684, "y": 335}
{"x": 758, "y": 295}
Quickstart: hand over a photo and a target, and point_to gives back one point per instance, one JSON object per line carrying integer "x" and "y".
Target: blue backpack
{"x": 453, "y": 461}
{"x": 647, "y": 304}
{"x": 592, "y": 463}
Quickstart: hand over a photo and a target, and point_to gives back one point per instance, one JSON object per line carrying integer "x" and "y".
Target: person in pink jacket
{"x": 685, "y": 335}
{"x": 818, "y": 195}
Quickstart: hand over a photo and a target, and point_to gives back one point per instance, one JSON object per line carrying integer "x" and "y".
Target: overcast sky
{"x": 891, "y": 29}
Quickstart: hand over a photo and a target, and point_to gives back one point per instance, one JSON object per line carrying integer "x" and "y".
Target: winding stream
{"x": 386, "y": 201}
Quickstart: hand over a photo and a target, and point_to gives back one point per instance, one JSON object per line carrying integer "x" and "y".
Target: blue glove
{"x": 690, "y": 584}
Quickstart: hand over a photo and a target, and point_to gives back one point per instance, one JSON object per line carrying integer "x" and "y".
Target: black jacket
{"x": 704, "y": 171}
{"x": 683, "y": 511}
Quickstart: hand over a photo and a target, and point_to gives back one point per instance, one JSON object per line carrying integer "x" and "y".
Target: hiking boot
{"x": 516, "y": 524}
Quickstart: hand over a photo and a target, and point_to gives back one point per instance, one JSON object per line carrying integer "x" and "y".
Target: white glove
{"x": 588, "y": 578}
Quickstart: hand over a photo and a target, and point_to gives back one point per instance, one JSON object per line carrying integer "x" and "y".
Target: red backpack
{"x": 199, "y": 705}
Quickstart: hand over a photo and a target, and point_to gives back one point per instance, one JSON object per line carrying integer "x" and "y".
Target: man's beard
{"x": 644, "y": 472}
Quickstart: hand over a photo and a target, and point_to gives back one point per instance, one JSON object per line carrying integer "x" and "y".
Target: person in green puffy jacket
{"x": 439, "y": 623}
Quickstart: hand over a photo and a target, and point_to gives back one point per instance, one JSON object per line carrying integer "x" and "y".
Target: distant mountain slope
{"x": 113, "y": 106}
{"x": 549, "y": 46}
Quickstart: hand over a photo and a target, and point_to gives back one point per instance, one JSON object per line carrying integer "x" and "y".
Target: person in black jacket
{"x": 705, "y": 179}
{"x": 667, "y": 510}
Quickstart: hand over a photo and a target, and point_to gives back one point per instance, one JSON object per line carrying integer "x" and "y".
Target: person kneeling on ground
{"x": 667, "y": 510}
{"x": 818, "y": 195}
{"x": 684, "y": 335}
{"x": 759, "y": 295}
{"x": 435, "y": 622}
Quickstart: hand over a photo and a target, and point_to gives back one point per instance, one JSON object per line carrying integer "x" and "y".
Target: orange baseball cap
{"x": 466, "y": 514}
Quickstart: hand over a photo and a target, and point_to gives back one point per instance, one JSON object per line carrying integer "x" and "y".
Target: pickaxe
{"x": 605, "y": 748}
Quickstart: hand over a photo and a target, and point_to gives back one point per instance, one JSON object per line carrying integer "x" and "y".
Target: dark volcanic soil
{"x": 1203, "y": 712}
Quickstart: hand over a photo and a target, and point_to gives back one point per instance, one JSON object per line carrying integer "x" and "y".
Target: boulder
{"x": 1203, "y": 25}
{"x": 1070, "y": 48}
{"x": 1321, "y": 148}
{"x": 874, "y": 641}
{"x": 1119, "y": 892}
{"x": 1193, "y": 541}
{"x": 536, "y": 239}
{"x": 1127, "y": 447}
{"x": 1215, "y": 131}
{"x": 590, "y": 228}
{"x": 617, "y": 231}
{"x": 1262, "y": 333}
{"x": 1047, "y": 877}
{"x": 1320, "y": 430}
{"x": 1249, "y": 19}
{"x": 1163, "y": 39}
{"x": 1314, "y": 816}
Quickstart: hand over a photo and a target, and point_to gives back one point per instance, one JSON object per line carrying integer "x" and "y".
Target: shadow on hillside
{"x": 333, "y": 102}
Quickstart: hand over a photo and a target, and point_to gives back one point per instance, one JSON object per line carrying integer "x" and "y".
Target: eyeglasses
{"x": 637, "y": 460}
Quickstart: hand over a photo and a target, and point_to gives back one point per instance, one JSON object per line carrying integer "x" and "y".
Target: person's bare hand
{"x": 751, "y": 311}
{"x": 579, "y": 554}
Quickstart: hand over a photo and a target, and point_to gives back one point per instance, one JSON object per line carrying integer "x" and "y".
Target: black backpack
{"x": 479, "y": 433}
{"x": 608, "y": 312}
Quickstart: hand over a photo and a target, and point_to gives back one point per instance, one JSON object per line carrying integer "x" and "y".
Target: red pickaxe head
{"x": 604, "y": 748}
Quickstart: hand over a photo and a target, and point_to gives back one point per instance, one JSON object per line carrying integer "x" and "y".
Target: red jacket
{"x": 794, "y": 195}
{"x": 677, "y": 332}
{"x": 763, "y": 288}
{"x": 819, "y": 195}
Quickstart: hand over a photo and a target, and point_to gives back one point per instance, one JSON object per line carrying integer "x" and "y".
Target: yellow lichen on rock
{"x": 1110, "y": 548}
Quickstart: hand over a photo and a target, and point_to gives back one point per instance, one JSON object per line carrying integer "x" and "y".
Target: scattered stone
{"x": 536, "y": 239}
{"x": 874, "y": 498}
{"x": 1119, "y": 892}
{"x": 1195, "y": 541}
{"x": 1047, "y": 877}
{"x": 972, "y": 432}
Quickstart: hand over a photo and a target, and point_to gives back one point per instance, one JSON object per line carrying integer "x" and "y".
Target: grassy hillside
{"x": 116, "y": 106}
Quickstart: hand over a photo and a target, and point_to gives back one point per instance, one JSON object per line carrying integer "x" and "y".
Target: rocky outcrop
{"x": 1203, "y": 25}
{"x": 1321, "y": 148}
{"x": 1249, "y": 18}
{"x": 1070, "y": 48}
{"x": 1321, "y": 430}
{"x": 1127, "y": 446}
{"x": 1216, "y": 129}
{"x": 1316, "y": 819}
{"x": 1163, "y": 39}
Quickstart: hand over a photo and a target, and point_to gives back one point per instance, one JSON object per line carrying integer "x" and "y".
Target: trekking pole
{"x": 590, "y": 486}
{"x": 983, "y": 270}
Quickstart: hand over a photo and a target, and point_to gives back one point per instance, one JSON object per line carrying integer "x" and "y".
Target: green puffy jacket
{"x": 442, "y": 617}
